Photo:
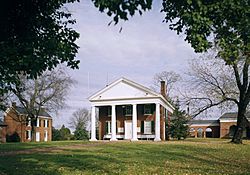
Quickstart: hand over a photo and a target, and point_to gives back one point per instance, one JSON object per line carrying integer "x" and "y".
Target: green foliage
{"x": 61, "y": 134}
{"x": 34, "y": 37}
{"x": 178, "y": 125}
{"x": 226, "y": 22}
{"x": 120, "y": 9}
{"x": 81, "y": 133}
{"x": 13, "y": 137}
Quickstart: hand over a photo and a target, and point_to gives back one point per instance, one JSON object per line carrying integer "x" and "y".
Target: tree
{"x": 227, "y": 23}
{"x": 178, "y": 126}
{"x": 170, "y": 77}
{"x": 224, "y": 24}
{"x": 211, "y": 84}
{"x": 48, "y": 92}
{"x": 65, "y": 133}
{"x": 56, "y": 134}
{"x": 34, "y": 37}
{"x": 80, "y": 121}
{"x": 61, "y": 134}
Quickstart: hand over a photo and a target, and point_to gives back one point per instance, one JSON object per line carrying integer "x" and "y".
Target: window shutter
{"x": 153, "y": 126}
{"x": 106, "y": 127}
{"x": 116, "y": 127}
{"x": 152, "y": 108}
{"x": 142, "y": 126}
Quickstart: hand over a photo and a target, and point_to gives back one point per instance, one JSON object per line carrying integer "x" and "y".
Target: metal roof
{"x": 207, "y": 122}
{"x": 22, "y": 110}
{"x": 232, "y": 116}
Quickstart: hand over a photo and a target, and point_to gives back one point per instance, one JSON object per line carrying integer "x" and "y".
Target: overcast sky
{"x": 144, "y": 47}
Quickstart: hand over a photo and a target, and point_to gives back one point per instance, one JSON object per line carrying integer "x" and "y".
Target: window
{"x": 28, "y": 134}
{"x": 128, "y": 110}
{"x": 45, "y": 123}
{"x": 148, "y": 127}
{"x": 109, "y": 111}
{"x": 46, "y": 136}
{"x": 148, "y": 109}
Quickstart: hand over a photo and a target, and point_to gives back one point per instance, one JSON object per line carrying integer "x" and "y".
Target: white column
{"x": 93, "y": 127}
{"x": 113, "y": 124}
{"x": 157, "y": 123}
{"x": 134, "y": 124}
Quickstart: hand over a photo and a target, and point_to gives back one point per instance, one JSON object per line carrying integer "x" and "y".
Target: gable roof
{"x": 232, "y": 116}
{"x": 22, "y": 110}
{"x": 124, "y": 88}
{"x": 124, "y": 82}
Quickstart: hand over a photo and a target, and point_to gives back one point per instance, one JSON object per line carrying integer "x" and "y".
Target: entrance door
{"x": 128, "y": 129}
{"x": 38, "y": 136}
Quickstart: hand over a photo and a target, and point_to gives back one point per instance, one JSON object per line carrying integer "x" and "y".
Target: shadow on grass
{"x": 129, "y": 158}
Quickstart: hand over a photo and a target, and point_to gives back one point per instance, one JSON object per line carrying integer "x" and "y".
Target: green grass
{"x": 192, "y": 156}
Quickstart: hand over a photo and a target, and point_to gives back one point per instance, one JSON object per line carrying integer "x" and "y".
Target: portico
{"x": 127, "y": 110}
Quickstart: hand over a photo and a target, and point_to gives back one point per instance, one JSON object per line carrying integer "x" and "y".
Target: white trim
{"x": 113, "y": 124}
{"x": 134, "y": 123}
{"x": 38, "y": 122}
{"x": 93, "y": 127}
{"x": 130, "y": 101}
{"x": 123, "y": 101}
{"x": 228, "y": 120}
{"x": 129, "y": 82}
{"x": 157, "y": 123}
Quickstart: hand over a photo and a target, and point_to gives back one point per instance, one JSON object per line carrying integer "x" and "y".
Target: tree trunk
{"x": 241, "y": 126}
{"x": 33, "y": 132}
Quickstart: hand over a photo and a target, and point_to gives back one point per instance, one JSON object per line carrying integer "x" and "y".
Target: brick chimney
{"x": 163, "y": 89}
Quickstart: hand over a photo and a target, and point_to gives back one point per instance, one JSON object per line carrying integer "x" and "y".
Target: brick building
{"x": 128, "y": 110}
{"x": 224, "y": 127}
{"x": 2, "y": 132}
{"x": 17, "y": 126}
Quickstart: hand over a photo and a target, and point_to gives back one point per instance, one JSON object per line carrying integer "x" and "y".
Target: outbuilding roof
{"x": 232, "y": 116}
{"x": 22, "y": 110}
{"x": 205, "y": 122}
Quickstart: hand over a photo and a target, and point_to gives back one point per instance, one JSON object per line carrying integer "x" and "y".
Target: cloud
{"x": 144, "y": 47}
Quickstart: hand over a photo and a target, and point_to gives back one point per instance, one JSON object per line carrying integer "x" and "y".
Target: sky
{"x": 144, "y": 47}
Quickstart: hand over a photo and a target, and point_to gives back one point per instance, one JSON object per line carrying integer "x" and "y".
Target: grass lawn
{"x": 192, "y": 156}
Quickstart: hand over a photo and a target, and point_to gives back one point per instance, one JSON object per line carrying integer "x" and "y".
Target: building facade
{"x": 224, "y": 127}
{"x": 2, "y": 132}
{"x": 127, "y": 110}
{"x": 18, "y": 128}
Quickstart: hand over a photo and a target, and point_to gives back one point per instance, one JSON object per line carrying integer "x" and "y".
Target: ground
{"x": 192, "y": 156}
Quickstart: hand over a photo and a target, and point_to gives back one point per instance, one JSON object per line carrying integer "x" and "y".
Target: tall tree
{"x": 48, "y": 91}
{"x": 80, "y": 122}
{"x": 170, "y": 77}
{"x": 34, "y": 36}
{"x": 211, "y": 84}
{"x": 179, "y": 124}
{"x": 224, "y": 24}
{"x": 204, "y": 23}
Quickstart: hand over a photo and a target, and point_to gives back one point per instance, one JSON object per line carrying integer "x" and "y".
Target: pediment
{"x": 123, "y": 89}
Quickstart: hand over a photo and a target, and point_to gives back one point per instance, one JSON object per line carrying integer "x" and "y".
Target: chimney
{"x": 163, "y": 89}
